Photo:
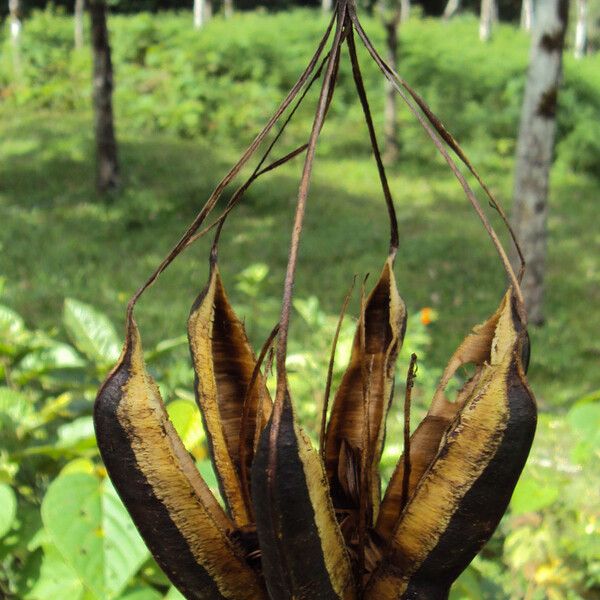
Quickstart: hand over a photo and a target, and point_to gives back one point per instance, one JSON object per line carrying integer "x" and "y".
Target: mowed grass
{"x": 59, "y": 239}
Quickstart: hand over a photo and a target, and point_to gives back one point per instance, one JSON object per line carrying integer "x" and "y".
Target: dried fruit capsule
{"x": 180, "y": 520}
{"x": 465, "y": 489}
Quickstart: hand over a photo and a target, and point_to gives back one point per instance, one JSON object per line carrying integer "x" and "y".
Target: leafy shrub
{"x": 225, "y": 80}
{"x": 54, "y": 495}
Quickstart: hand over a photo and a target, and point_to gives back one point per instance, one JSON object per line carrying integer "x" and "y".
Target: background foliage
{"x": 186, "y": 103}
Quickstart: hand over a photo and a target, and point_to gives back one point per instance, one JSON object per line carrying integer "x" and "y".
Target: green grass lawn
{"x": 59, "y": 239}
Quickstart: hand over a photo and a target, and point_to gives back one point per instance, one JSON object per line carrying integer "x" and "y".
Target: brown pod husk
{"x": 177, "y": 515}
{"x": 303, "y": 553}
{"x": 224, "y": 363}
{"x": 460, "y": 497}
{"x": 378, "y": 340}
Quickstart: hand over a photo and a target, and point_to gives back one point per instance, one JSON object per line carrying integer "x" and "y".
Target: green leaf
{"x": 15, "y": 409}
{"x": 187, "y": 421}
{"x": 56, "y": 580}
{"x": 91, "y": 529}
{"x": 11, "y": 323}
{"x": 141, "y": 593}
{"x": 208, "y": 474}
{"x": 466, "y": 586}
{"x": 91, "y": 331}
{"x": 77, "y": 433}
{"x": 250, "y": 279}
{"x": 55, "y": 357}
{"x": 174, "y": 594}
{"x": 531, "y": 496}
{"x": 8, "y": 509}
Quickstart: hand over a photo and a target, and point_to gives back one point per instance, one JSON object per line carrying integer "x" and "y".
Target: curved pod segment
{"x": 181, "y": 522}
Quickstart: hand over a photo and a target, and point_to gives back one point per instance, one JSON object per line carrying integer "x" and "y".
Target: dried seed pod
{"x": 370, "y": 373}
{"x": 425, "y": 441}
{"x": 177, "y": 515}
{"x": 461, "y": 494}
{"x": 224, "y": 363}
{"x": 303, "y": 553}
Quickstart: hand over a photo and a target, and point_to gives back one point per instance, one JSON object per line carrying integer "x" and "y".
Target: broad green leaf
{"x": 91, "y": 331}
{"x": 91, "y": 529}
{"x": 531, "y": 496}
{"x": 79, "y": 465}
{"x": 78, "y": 433}
{"x": 466, "y": 586}
{"x": 187, "y": 421}
{"x": 8, "y": 509}
{"x": 56, "y": 580}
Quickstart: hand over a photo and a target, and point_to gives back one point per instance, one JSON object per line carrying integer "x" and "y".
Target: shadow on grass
{"x": 60, "y": 239}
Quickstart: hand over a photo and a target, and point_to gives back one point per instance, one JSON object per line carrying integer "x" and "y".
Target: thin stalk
{"x": 328, "y": 82}
{"x": 364, "y": 101}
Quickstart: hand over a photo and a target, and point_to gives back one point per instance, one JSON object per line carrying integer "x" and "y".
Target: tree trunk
{"x": 404, "y": 10}
{"x": 527, "y": 15}
{"x": 202, "y": 12}
{"x": 581, "y": 29}
{"x": 228, "y": 8}
{"x": 14, "y": 10}
{"x": 78, "y": 18}
{"x": 451, "y": 9}
{"x": 326, "y": 5}
{"x": 107, "y": 168}
{"x": 391, "y": 148}
{"x": 535, "y": 147}
{"x": 486, "y": 20}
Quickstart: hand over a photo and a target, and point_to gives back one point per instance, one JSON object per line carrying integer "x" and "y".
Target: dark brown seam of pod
{"x": 224, "y": 364}
{"x": 172, "y": 524}
{"x": 302, "y": 548}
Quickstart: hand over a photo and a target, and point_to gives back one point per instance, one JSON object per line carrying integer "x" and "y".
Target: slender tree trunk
{"x": 228, "y": 8}
{"x": 527, "y": 15}
{"x": 452, "y": 7}
{"x": 535, "y": 147}
{"x": 487, "y": 18}
{"x": 202, "y": 12}
{"x": 78, "y": 23}
{"x": 581, "y": 29}
{"x": 391, "y": 148}
{"x": 326, "y": 5}
{"x": 14, "y": 10}
{"x": 404, "y": 10}
{"x": 107, "y": 167}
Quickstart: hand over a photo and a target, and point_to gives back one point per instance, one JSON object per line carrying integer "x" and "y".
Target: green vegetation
{"x": 186, "y": 104}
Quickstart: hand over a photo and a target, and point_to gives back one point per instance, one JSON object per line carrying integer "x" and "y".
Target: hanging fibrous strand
{"x": 304, "y": 523}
